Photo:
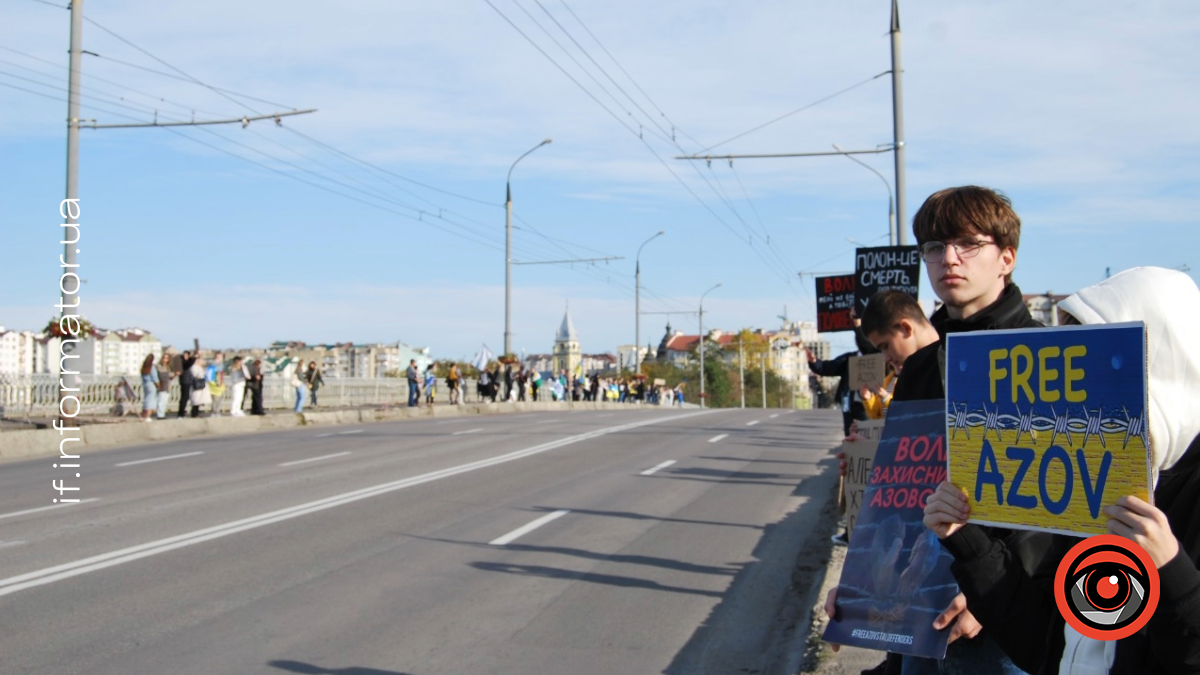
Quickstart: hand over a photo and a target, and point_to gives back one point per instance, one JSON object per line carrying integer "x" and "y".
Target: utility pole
{"x": 71, "y": 212}
{"x": 897, "y": 145}
{"x": 898, "y": 122}
{"x": 742, "y": 370}
{"x": 508, "y": 249}
{"x": 702, "y": 342}
{"x": 763, "y": 362}
{"x": 637, "y": 309}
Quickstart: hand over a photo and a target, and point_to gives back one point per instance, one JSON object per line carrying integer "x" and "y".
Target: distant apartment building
{"x": 105, "y": 352}
{"x": 1044, "y": 307}
{"x": 355, "y": 360}
{"x": 17, "y": 351}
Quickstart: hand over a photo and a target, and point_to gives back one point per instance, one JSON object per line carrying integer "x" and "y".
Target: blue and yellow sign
{"x": 1045, "y": 427}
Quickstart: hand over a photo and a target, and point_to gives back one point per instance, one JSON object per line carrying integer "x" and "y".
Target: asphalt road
{"x": 621, "y": 542}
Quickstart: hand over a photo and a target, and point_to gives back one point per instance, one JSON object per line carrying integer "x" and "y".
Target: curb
{"x": 818, "y": 657}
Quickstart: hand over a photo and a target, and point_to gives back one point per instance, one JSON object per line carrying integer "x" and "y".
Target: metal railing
{"x": 37, "y": 395}
{"x": 24, "y": 396}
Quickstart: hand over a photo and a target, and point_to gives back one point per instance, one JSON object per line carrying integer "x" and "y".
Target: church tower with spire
{"x": 567, "y": 355}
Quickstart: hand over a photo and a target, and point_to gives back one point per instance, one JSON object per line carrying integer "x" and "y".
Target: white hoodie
{"x": 1169, "y": 303}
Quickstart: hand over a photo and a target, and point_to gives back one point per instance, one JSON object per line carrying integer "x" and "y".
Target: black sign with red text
{"x": 835, "y": 300}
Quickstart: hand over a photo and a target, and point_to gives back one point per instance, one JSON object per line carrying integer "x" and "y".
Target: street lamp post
{"x": 893, "y": 233}
{"x": 637, "y": 295}
{"x": 702, "y": 342}
{"x": 508, "y": 250}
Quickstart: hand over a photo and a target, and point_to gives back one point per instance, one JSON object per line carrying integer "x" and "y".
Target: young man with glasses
{"x": 968, "y": 238}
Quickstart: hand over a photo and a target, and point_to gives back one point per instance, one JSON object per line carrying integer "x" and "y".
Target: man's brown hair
{"x": 970, "y": 209}
{"x": 885, "y": 309}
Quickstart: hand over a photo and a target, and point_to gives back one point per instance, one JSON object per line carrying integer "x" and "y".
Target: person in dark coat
{"x": 255, "y": 385}
{"x": 184, "y": 373}
{"x": 849, "y": 401}
{"x": 1019, "y": 608}
{"x": 968, "y": 238}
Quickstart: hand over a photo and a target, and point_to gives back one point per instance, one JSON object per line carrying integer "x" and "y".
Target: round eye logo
{"x": 1106, "y": 587}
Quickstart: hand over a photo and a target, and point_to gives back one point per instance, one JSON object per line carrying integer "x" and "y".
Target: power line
{"x": 785, "y": 275}
{"x": 391, "y": 173}
{"x": 797, "y": 110}
{"x": 563, "y": 70}
{"x": 369, "y": 192}
{"x": 601, "y": 69}
{"x": 189, "y": 77}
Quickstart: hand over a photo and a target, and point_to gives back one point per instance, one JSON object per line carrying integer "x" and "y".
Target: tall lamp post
{"x": 637, "y": 295}
{"x": 702, "y": 342}
{"x": 893, "y": 234}
{"x": 508, "y": 250}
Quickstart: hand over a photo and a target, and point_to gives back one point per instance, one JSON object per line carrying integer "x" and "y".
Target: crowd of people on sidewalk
{"x": 204, "y": 383}
{"x": 509, "y": 382}
{"x": 203, "y": 386}
{"x": 504, "y": 382}
{"x": 1005, "y": 619}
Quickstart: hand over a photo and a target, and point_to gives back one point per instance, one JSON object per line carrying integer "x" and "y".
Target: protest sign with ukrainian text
{"x": 1045, "y": 427}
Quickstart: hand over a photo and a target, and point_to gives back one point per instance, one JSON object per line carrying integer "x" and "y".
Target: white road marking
{"x": 161, "y": 459}
{"x": 605, "y": 415}
{"x": 315, "y": 459}
{"x": 526, "y": 529}
{"x": 468, "y": 431}
{"x": 119, "y": 557}
{"x": 347, "y": 433}
{"x": 5, "y": 544}
{"x": 651, "y": 472}
{"x": 751, "y": 423}
{"x": 714, "y": 439}
{"x": 14, "y": 514}
{"x": 324, "y": 435}
{"x": 775, "y": 415}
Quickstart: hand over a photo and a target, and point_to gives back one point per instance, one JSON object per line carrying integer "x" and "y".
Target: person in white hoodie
{"x": 1019, "y": 611}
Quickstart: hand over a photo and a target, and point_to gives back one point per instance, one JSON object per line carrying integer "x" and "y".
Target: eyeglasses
{"x": 935, "y": 251}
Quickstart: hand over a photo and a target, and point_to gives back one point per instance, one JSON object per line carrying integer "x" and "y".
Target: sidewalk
{"x": 819, "y": 657}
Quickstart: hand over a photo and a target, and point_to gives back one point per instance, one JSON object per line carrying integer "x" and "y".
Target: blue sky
{"x": 1084, "y": 116}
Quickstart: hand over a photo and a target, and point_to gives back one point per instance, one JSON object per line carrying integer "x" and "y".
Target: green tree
{"x": 718, "y": 386}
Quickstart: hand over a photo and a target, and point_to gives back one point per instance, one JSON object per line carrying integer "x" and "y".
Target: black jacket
{"x": 921, "y": 377}
{"x": 1015, "y": 606}
{"x": 838, "y": 367}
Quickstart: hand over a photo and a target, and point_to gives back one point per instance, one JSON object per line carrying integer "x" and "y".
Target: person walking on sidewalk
{"x": 430, "y": 385}
{"x": 149, "y": 387}
{"x": 164, "y": 385}
{"x": 238, "y": 375}
{"x": 255, "y": 385}
{"x": 454, "y": 382}
{"x": 300, "y": 384}
{"x": 184, "y": 372}
{"x": 414, "y": 384}
{"x": 315, "y": 381}
{"x": 199, "y": 395}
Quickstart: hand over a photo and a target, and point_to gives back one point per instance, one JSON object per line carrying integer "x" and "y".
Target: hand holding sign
{"x": 965, "y": 626}
{"x": 1144, "y": 525}
{"x": 946, "y": 510}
